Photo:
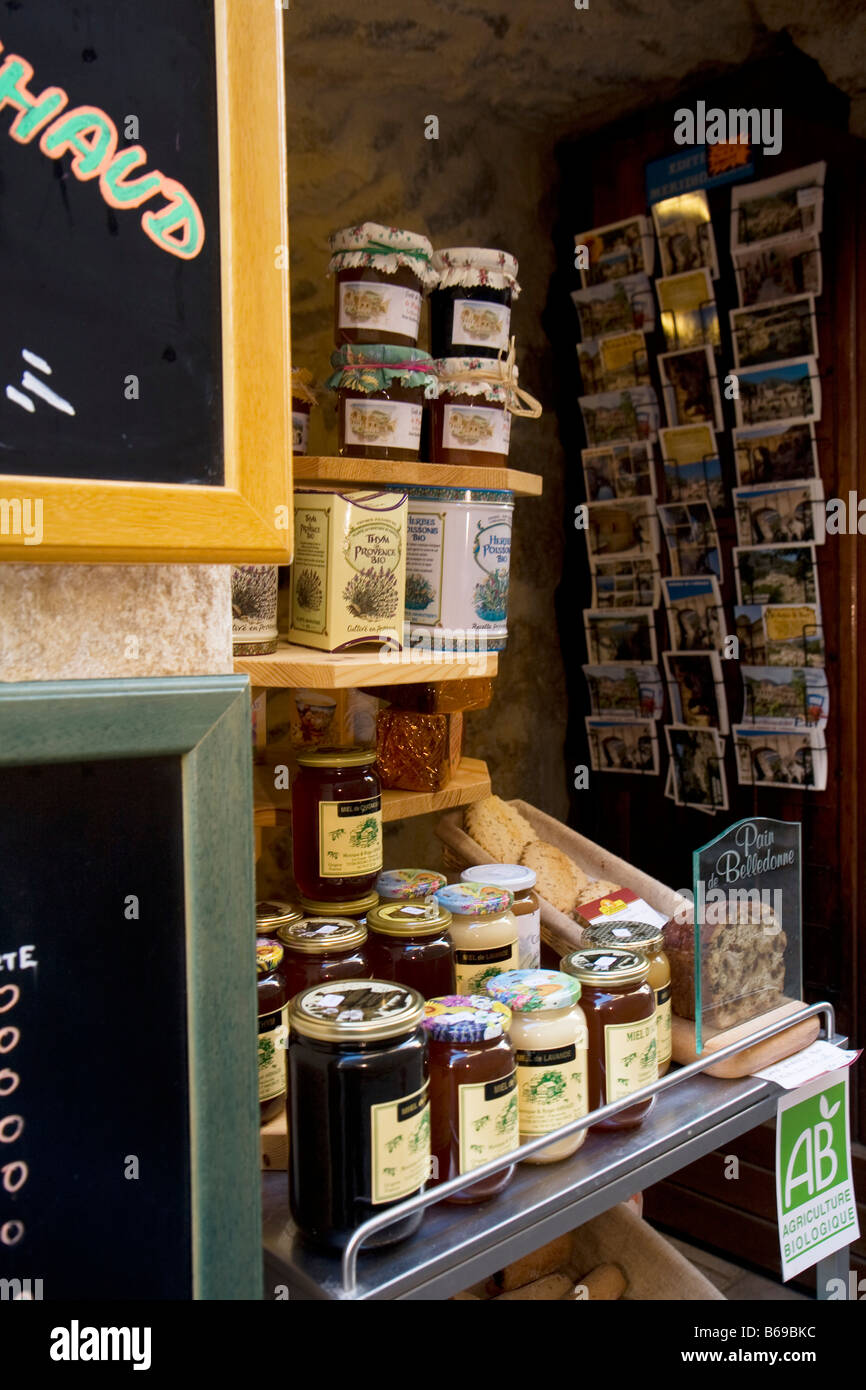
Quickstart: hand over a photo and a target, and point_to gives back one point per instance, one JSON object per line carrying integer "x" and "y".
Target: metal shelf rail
{"x": 457, "y": 1246}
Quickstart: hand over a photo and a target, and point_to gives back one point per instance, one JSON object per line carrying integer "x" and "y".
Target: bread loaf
{"x": 544, "y": 1260}
{"x": 552, "y": 1286}
{"x": 499, "y": 829}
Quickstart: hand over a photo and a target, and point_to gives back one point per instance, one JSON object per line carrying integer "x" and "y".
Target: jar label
{"x": 384, "y": 308}
{"x": 663, "y": 1024}
{"x": 487, "y": 1115}
{"x": 529, "y": 939}
{"x": 273, "y": 1037}
{"x": 300, "y": 431}
{"x": 350, "y": 837}
{"x": 400, "y": 1146}
{"x": 477, "y": 323}
{"x": 551, "y": 1086}
{"x": 476, "y": 427}
{"x": 630, "y": 1057}
{"x": 472, "y": 969}
{"x": 391, "y": 424}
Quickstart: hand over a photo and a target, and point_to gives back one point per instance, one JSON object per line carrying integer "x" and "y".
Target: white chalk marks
{"x": 34, "y": 384}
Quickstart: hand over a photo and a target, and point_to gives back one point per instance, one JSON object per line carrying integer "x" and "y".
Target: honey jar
{"x": 271, "y": 915}
{"x": 381, "y": 274}
{"x": 645, "y": 940}
{"x": 483, "y": 931}
{"x": 356, "y": 908}
{"x": 620, "y": 1016}
{"x": 336, "y": 824}
{"x": 272, "y": 1028}
{"x": 408, "y": 885}
{"x": 520, "y": 882}
{"x": 409, "y": 943}
{"x": 317, "y": 949}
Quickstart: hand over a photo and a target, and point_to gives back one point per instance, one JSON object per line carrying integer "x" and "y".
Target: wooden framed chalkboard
{"x": 129, "y": 1161}
{"x": 144, "y": 360}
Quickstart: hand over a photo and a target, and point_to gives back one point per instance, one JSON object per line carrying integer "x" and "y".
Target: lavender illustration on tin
{"x": 372, "y": 593}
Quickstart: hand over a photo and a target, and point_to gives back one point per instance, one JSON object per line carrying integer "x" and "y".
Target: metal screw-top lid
{"x": 352, "y": 907}
{"x": 350, "y": 1011}
{"x": 318, "y": 936}
{"x": 272, "y": 914}
{"x": 409, "y": 919}
{"x": 635, "y": 936}
{"x": 608, "y": 965}
{"x": 337, "y": 757}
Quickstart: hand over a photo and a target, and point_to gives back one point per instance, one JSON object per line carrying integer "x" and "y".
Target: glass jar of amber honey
{"x": 473, "y": 1090}
{"x": 336, "y": 824}
{"x": 272, "y": 1012}
{"x": 317, "y": 949}
{"x": 381, "y": 274}
{"x": 645, "y": 940}
{"x": 620, "y": 1015}
{"x": 409, "y": 943}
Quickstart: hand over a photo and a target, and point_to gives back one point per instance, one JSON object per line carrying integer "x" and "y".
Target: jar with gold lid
{"x": 620, "y": 1016}
{"x": 647, "y": 940}
{"x": 272, "y": 1008}
{"x": 271, "y": 914}
{"x": 317, "y": 949}
{"x": 483, "y": 931}
{"x": 356, "y": 908}
{"x": 336, "y": 824}
{"x": 410, "y": 943}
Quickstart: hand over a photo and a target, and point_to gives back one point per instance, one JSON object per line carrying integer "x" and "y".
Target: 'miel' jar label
{"x": 396, "y": 424}
{"x": 476, "y": 427}
{"x": 350, "y": 837}
{"x": 630, "y": 1057}
{"x": 473, "y": 968}
{"x": 385, "y": 308}
{"x": 552, "y": 1087}
{"x": 663, "y": 1024}
{"x": 273, "y": 1036}
{"x": 400, "y": 1146}
{"x": 477, "y": 323}
{"x": 488, "y": 1121}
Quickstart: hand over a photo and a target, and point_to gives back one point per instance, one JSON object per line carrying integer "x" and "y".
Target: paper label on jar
{"x": 273, "y": 1036}
{"x": 551, "y": 1087}
{"x": 529, "y": 939}
{"x": 472, "y": 969}
{"x": 487, "y": 1114}
{"x": 350, "y": 837}
{"x": 400, "y": 1146}
{"x": 380, "y": 306}
{"x": 300, "y": 431}
{"x": 630, "y": 1057}
{"x": 663, "y": 1024}
{"x": 391, "y": 424}
{"x": 477, "y": 323}
{"x": 476, "y": 427}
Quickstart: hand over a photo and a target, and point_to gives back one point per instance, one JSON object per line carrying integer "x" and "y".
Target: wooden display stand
{"x": 753, "y": 1058}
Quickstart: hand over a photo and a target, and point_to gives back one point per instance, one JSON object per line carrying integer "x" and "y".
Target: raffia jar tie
{"x": 501, "y": 373}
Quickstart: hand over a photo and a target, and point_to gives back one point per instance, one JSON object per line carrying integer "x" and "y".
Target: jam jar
{"x": 303, "y": 400}
{"x": 408, "y": 885}
{"x": 520, "y": 883}
{"x": 271, "y": 915}
{"x": 620, "y": 1016}
{"x": 470, "y": 422}
{"x": 356, "y": 908}
{"x": 336, "y": 824}
{"x": 548, "y": 1030}
{"x": 409, "y": 943}
{"x": 483, "y": 931}
{"x": 381, "y": 274}
{"x": 470, "y": 305}
{"x": 358, "y": 1110}
{"x": 381, "y": 394}
{"x": 473, "y": 1091}
{"x": 646, "y": 940}
{"x": 272, "y": 1011}
{"x": 317, "y": 949}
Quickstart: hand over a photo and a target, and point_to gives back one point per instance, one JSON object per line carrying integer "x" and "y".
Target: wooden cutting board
{"x": 751, "y": 1059}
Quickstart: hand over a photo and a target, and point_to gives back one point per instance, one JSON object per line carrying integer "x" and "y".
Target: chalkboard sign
{"x": 128, "y": 1101}
{"x": 135, "y": 347}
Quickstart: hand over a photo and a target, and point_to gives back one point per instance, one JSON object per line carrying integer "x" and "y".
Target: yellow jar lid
{"x": 316, "y": 936}
{"x": 409, "y": 919}
{"x": 350, "y": 1011}
{"x": 610, "y": 965}
{"x": 337, "y": 757}
{"x": 268, "y": 956}
{"x": 352, "y": 907}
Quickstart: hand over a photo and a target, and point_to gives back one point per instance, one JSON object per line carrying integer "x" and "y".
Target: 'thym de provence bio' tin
{"x": 458, "y": 556}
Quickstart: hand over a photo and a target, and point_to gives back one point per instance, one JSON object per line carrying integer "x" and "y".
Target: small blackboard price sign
{"x": 128, "y": 1090}
{"x": 144, "y": 382}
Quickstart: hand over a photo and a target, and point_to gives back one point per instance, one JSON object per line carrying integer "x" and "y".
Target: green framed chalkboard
{"x": 129, "y": 1150}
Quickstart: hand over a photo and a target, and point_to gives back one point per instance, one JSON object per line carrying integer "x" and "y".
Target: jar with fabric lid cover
{"x": 382, "y": 391}
{"x": 470, "y": 305}
{"x": 410, "y": 943}
{"x": 381, "y": 274}
{"x": 303, "y": 400}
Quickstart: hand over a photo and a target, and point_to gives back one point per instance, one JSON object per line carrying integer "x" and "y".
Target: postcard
{"x": 622, "y": 745}
{"x": 669, "y": 782}
{"x": 630, "y": 414}
{"x": 691, "y": 387}
{"x": 696, "y": 618}
{"x": 697, "y": 689}
{"x": 620, "y": 583}
{"x": 625, "y": 692}
{"x": 691, "y": 464}
{"x": 785, "y": 697}
{"x": 685, "y": 234}
{"x": 780, "y": 512}
{"x": 629, "y": 634}
{"x": 793, "y": 635}
{"x": 776, "y": 574}
{"x": 692, "y": 539}
{"x": 787, "y": 205}
{"x": 785, "y": 391}
{"x": 751, "y": 636}
{"x": 622, "y": 529}
{"x": 779, "y": 271}
{"x": 775, "y": 453}
{"x": 768, "y": 757}
{"x": 615, "y": 306}
{"x": 617, "y": 250}
{"x": 608, "y": 364}
{"x": 698, "y": 762}
{"x": 774, "y": 332}
{"x": 619, "y": 469}
{"x": 689, "y": 313}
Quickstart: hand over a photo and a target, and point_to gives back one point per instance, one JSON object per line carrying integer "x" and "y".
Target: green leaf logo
{"x": 827, "y": 1110}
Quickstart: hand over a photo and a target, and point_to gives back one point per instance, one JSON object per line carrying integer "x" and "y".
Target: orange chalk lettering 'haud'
{"x": 90, "y": 136}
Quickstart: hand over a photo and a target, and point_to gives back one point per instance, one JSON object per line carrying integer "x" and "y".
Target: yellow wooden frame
{"x": 249, "y": 519}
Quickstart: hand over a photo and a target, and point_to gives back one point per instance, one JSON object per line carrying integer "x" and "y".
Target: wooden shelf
{"x": 304, "y": 668}
{"x": 313, "y": 468}
{"x": 471, "y": 783}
